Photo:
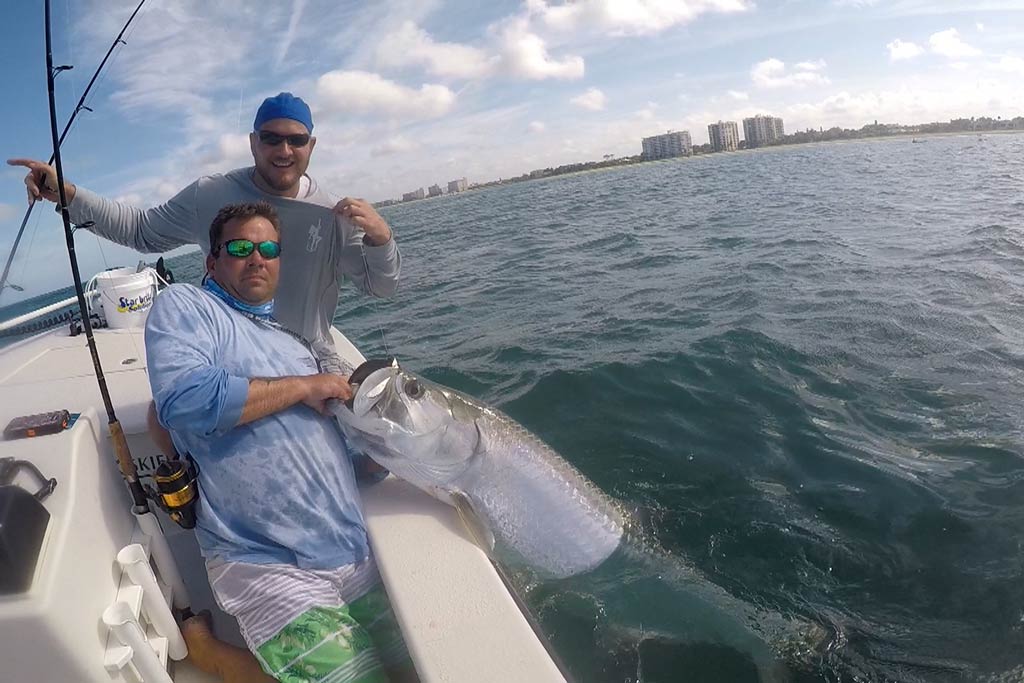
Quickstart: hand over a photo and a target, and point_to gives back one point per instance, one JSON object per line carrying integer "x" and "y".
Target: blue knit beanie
{"x": 284, "y": 106}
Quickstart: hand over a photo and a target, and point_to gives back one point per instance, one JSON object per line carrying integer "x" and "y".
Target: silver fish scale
{"x": 537, "y": 505}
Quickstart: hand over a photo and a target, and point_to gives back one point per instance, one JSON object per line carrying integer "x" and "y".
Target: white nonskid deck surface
{"x": 460, "y": 622}
{"x": 55, "y": 371}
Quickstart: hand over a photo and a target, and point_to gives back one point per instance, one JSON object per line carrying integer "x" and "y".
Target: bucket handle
{"x": 92, "y": 294}
{"x": 154, "y": 280}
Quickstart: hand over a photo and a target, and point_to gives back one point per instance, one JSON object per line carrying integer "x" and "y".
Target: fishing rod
{"x": 121, "y": 450}
{"x": 143, "y": 514}
{"x": 67, "y": 128}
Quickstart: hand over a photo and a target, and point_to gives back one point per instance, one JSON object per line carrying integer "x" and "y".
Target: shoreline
{"x": 632, "y": 161}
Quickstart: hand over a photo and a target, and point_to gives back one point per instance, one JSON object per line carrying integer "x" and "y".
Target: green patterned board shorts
{"x": 313, "y": 626}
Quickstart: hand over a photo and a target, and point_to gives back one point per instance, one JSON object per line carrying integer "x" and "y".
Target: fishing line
{"x": 31, "y": 242}
{"x": 119, "y": 442}
{"x": 380, "y": 327}
{"x": 103, "y": 255}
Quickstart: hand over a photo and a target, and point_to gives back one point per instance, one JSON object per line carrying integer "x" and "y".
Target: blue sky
{"x": 407, "y": 93}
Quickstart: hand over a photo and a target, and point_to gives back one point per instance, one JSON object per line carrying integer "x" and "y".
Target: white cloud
{"x": 738, "y": 95}
{"x": 772, "y": 73}
{"x": 949, "y": 44}
{"x": 627, "y": 17}
{"x": 842, "y": 108}
{"x": 899, "y": 50}
{"x": 395, "y": 145}
{"x": 537, "y": 127}
{"x": 410, "y": 45}
{"x": 818, "y": 65}
{"x": 361, "y": 92}
{"x": 230, "y": 151}
{"x": 523, "y": 54}
{"x": 1013, "y": 65}
{"x": 952, "y": 96}
{"x": 593, "y": 99}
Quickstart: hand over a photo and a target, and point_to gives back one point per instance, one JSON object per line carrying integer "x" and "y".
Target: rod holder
{"x": 163, "y": 557}
{"x": 134, "y": 561}
{"x": 119, "y": 618}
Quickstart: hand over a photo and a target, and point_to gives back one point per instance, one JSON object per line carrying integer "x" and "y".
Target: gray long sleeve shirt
{"x": 318, "y": 247}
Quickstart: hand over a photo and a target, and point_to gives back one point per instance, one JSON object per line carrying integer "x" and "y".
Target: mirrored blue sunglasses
{"x": 243, "y": 248}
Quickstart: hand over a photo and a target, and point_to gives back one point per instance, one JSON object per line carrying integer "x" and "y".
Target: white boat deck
{"x": 460, "y": 622}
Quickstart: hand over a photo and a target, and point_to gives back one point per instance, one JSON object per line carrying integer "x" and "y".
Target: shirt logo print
{"x": 314, "y": 238}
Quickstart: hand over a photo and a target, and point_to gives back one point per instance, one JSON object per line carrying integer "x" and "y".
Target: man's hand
{"x": 41, "y": 181}
{"x": 361, "y": 214}
{"x": 322, "y": 388}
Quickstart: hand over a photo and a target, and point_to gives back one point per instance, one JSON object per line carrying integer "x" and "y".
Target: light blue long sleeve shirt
{"x": 280, "y": 489}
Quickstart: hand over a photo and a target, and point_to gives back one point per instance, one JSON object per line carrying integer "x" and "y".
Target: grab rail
{"x": 38, "y": 313}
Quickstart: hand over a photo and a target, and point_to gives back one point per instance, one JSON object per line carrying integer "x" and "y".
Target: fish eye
{"x": 413, "y": 389}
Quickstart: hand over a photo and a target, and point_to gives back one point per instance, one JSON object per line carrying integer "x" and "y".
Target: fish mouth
{"x": 368, "y": 383}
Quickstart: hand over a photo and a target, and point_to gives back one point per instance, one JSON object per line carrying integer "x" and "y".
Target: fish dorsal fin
{"x": 482, "y": 536}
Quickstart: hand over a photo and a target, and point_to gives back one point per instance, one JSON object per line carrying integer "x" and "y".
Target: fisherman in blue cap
{"x": 323, "y": 239}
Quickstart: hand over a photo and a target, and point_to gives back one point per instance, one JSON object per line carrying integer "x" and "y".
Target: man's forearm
{"x": 269, "y": 396}
{"x": 158, "y": 229}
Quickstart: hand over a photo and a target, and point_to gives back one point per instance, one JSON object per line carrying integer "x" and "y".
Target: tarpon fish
{"x": 513, "y": 491}
{"x": 519, "y": 497}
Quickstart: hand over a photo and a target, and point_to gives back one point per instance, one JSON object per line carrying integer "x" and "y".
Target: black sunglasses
{"x": 274, "y": 139}
{"x": 243, "y": 248}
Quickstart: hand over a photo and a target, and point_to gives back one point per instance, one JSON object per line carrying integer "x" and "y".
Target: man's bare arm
{"x": 269, "y": 396}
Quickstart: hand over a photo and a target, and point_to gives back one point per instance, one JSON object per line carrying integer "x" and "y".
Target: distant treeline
{"x": 877, "y": 130}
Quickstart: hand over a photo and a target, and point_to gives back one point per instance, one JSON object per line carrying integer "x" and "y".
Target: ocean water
{"x": 801, "y": 367}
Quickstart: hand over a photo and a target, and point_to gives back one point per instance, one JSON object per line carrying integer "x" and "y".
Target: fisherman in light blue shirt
{"x": 279, "y": 519}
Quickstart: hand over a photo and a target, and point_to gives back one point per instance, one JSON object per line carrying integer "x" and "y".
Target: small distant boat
{"x": 915, "y": 141}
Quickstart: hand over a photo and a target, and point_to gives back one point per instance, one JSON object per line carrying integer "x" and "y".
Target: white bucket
{"x": 126, "y": 296}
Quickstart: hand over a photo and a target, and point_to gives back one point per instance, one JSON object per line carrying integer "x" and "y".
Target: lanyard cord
{"x": 270, "y": 324}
